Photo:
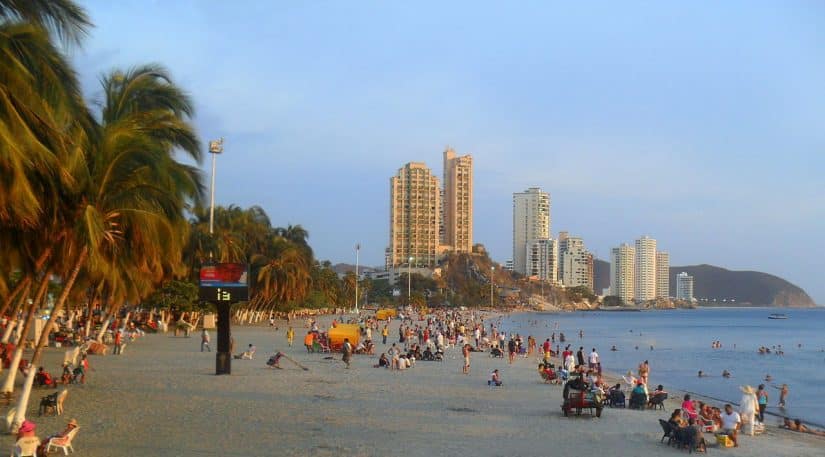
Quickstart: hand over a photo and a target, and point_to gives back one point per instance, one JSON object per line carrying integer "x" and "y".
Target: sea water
{"x": 682, "y": 343}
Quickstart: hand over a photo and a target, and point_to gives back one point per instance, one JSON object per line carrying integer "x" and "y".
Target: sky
{"x": 698, "y": 123}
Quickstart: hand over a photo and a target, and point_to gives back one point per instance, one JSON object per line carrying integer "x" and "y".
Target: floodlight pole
{"x": 215, "y": 148}
{"x": 357, "y": 249}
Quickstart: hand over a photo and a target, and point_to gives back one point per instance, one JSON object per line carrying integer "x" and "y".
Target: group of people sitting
{"x": 29, "y": 444}
{"x": 248, "y": 354}
{"x": 396, "y": 359}
{"x": 365, "y": 347}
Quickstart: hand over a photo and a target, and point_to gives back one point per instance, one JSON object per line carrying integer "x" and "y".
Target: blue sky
{"x": 699, "y": 123}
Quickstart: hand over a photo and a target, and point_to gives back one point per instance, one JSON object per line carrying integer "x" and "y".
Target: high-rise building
{"x": 458, "y": 202}
{"x": 684, "y": 286}
{"x": 541, "y": 260}
{"x": 662, "y": 274}
{"x": 645, "y": 273}
{"x": 531, "y": 221}
{"x": 576, "y": 264}
{"x": 414, "y": 214}
{"x": 622, "y": 272}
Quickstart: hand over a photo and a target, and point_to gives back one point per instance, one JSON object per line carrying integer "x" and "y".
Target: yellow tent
{"x": 337, "y": 335}
{"x": 383, "y": 314}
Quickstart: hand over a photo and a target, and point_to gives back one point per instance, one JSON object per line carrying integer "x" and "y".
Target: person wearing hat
{"x": 27, "y": 440}
{"x": 57, "y": 437}
{"x": 748, "y": 407}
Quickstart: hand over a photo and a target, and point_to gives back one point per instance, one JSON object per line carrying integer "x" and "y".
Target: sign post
{"x": 224, "y": 284}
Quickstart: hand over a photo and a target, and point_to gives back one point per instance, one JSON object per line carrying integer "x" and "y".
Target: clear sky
{"x": 700, "y": 123}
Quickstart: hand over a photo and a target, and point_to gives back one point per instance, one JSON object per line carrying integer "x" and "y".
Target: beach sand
{"x": 161, "y": 398}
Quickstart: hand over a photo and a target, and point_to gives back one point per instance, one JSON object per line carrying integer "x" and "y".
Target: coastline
{"x": 161, "y": 398}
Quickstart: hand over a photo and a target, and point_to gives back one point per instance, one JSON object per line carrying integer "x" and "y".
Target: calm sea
{"x": 682, "y": 341}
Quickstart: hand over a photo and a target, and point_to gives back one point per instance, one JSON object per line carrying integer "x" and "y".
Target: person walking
{"x": 347, "y": 351}
{"x": 465, "y": 351}
{"x": 783, "y": 394}
{"x": 205, "y": 341}
{"x": 290, "y": 335}
{"x": 119, "y": 341}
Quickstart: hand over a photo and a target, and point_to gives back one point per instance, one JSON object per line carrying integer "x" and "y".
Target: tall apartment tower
{"x": 622, "y": 272}
{"x": 662, "y": 274}
{"x": 684, "y": 286}
{"x": 541, "y": 259}
{"x": 576, "y": 264}
{"x": 458, "y": 202}
{"x": 531, "y": 221}
{"x": 414, "y": 216}
{"x": 645, "y": 274}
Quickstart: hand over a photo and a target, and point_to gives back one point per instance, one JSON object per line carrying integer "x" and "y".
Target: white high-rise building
{"x": 541, "y": 260}
{"x": 575, "y": 263}
{"x": 684, "y": 286}
{"x": 622, "y": 272}
{"x": 645, "y": 269}
{"x": 531, "y": 221}
{"x": 662, "y": 274}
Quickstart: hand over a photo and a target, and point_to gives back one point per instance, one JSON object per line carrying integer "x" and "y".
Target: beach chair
{"x": 61, "y": 398}
{"x": 617, "y": 399}
{"x": 63, "y": 443}
{"x": 657, "y": 401}
{"x": 668, "y": 431}
{"x": 637, "y": 401}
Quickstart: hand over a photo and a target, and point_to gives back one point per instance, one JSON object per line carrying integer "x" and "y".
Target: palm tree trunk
{"x": 21, "y": 300}
{"x": 23, "y": 283}
{"x": 8, "y": 385}
{"x": 23, "y": 402}
{"x": 110, "y": 311}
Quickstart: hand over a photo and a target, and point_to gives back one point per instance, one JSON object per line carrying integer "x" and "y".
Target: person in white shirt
{"x": 730, "y": 424}
{"x": 595, "y": 361}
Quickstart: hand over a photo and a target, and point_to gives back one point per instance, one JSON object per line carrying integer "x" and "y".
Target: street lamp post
{"x": 357, "y": 249}
{"x": 492, "y": 272}
{"x": 215, "y": 148}
{"x": 409, "y": 282}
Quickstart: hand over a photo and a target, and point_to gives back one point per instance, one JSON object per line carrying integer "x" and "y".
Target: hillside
{"x": 746, "y": 287}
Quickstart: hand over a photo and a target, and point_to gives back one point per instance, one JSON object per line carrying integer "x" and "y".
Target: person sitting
{"x": 275, "y": 360}
{"x": 496, "y": 352}
{"x": 688, "y": 407}
{"x": 361, "y": 348}
{"x": 657, "y": 396}
{"x": 383, "y": 361}
{"x": 638, "y": 397}
{"x": 731, "y": 422}
{"x": 402, "y": 363}
{"x": 66, "y": 377}
{"x": 693, "y": 436}
{"x": 27, "y": 440}
{"x": 495, "y": 379}
{"x": 43, "y": 378}
{"x": 58, "y": 438}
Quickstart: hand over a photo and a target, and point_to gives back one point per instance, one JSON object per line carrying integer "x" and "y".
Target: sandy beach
{"x": 161, "y": 398}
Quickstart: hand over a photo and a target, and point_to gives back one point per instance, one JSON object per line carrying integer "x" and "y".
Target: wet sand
{"x": 161, "y": 398}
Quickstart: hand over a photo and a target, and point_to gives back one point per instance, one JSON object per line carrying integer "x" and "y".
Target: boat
{"x": 777, "y": 316}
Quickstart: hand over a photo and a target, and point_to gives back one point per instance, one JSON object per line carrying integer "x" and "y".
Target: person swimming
{"x": 701, "y": 374}
{"x": 725, "y": 374}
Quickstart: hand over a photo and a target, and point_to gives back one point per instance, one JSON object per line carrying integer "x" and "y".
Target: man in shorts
{"x": 731, "y": 423}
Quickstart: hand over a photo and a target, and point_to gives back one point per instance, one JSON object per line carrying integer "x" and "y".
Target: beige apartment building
{"x": 531, "y": 222}
{"x": 622, "y": 272}
{"x": 457, "y": 202}
{"x": 414, "y": 217}
{"x": 645, "y": 274}
{"x": 662, "y": 274}
{"x": 575, "y": 263}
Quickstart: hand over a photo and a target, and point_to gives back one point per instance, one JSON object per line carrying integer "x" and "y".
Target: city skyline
{"x": 639, "y": 119}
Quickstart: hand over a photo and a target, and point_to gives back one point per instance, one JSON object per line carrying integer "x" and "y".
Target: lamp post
{"x": 409, "y": 282}
{"x": 357, "y": 249}
{"x": 492, "y": 273}
{"x": 215, "y": 148}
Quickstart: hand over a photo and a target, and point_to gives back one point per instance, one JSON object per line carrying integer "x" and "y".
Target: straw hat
{"x": 746, "y": 389}
{"x": 73, "y": 422}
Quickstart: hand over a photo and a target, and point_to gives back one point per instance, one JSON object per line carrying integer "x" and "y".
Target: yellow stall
{"x": 337, "y": 335}
{"x": 383, "y": 314}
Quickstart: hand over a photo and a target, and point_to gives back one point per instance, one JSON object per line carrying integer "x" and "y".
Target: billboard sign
{"x": 224, "y": 282}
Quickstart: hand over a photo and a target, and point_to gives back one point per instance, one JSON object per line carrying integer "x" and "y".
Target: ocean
{"x": 682, "y": 345}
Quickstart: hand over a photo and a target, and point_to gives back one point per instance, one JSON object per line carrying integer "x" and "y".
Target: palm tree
{"x": 129, "y": 207}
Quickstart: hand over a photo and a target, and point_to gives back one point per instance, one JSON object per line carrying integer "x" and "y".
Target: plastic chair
{"x": 63, "y": 443}
{"x": 25, "y": 447}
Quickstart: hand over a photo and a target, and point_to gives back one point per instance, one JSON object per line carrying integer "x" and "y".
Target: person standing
{"x": 511, "y": 349}
{"x": 595, "y": 361}
{"x": 119, "y": 341}
{"x": 205, "y": 341}
{"x": 347, "y": 350}
{"x": 762, "y": 398}
{"x": 290, "y": 335}
{"x": 465, "y": 351}
{"x": 580, "y": 356}
{"x": 783, "y": 394}
{"x": 384, "y": 333}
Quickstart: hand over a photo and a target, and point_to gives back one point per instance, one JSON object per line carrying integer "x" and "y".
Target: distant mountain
{"x": 746, "y": 287}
